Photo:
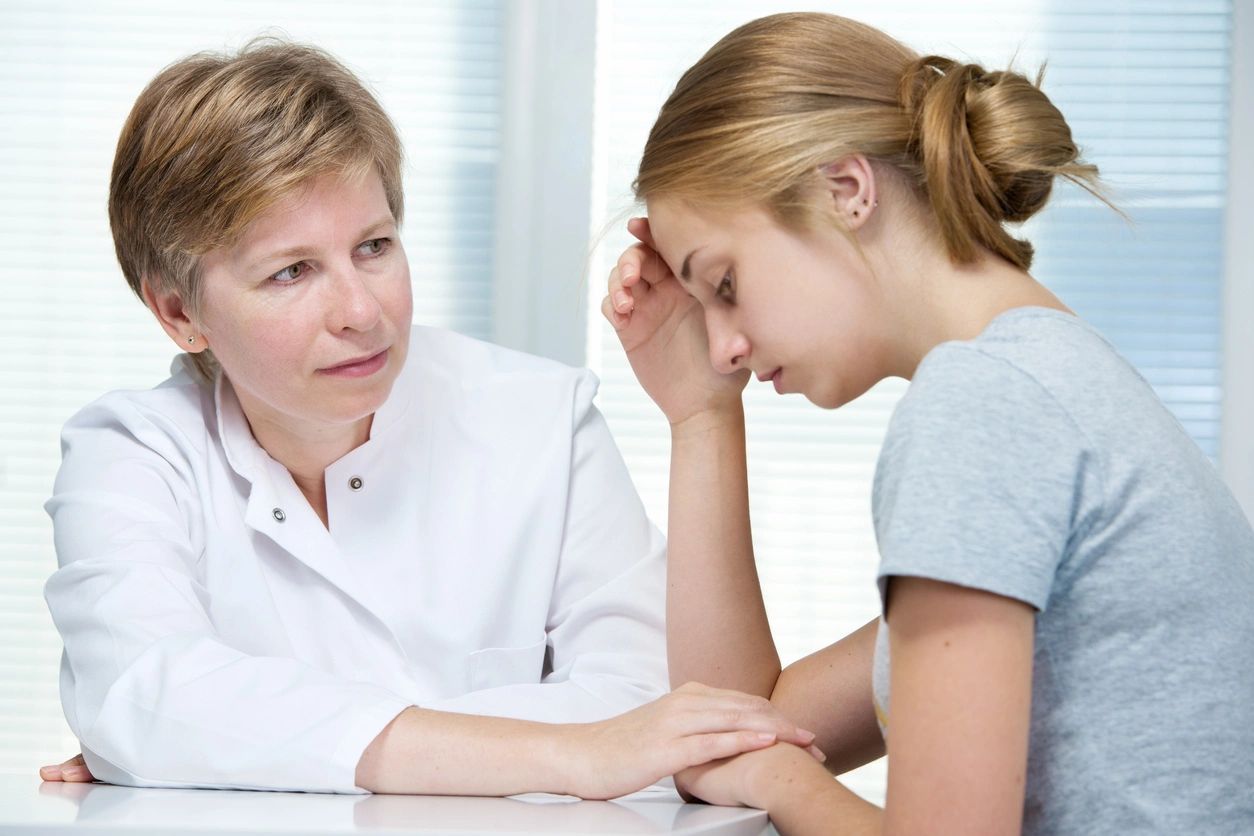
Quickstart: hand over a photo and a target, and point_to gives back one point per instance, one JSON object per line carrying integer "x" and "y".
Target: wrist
{"x": 729, "y": 416}
{"x": 567, "y": 757}
{"x": 782, "y": 776}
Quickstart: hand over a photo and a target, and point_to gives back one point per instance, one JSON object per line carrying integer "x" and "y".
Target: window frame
{"x": 1236, "y": 444}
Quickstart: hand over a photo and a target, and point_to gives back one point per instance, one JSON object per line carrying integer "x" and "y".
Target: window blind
{"x": 1144, "y": 87}
{"x": 70, "y": 328}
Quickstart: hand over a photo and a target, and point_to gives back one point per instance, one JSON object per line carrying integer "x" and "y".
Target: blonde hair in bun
{"x": 756, "y": 117}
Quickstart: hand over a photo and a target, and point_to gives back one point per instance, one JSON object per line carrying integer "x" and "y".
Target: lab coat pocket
{"x": 495, "y": 666}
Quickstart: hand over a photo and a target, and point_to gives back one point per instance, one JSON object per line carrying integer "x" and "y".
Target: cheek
{"x": 262, "y": 342}
{"x": 400, "y": 297}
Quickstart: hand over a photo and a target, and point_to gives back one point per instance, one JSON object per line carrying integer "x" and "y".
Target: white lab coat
{"x": 486, "y": 553}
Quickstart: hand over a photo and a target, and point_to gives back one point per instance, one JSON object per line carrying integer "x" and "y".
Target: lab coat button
{"x": 279, "y": 516}
{"x": 355, "y": 483}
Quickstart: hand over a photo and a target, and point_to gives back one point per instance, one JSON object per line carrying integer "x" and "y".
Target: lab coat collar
{"x": 250, "y": 460}
{"x": 277, "y": 509}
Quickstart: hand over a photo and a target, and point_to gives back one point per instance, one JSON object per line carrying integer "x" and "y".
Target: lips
{"x": 774, "y": 377}
{"x": 358, "y": 368}
{"x": 355, "y": 362}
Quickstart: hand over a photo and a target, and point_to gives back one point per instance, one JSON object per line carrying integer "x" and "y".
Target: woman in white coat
{"x": 332, "y": 552}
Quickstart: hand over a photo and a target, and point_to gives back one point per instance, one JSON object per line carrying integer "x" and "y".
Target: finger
{"x": 634, "y": 262}
{"x": 50, "y": 773}
{"x": 640, "y": 229}
{"x": 77, "y": 760}
{"x": 619, "y": 321}
{"x": 75, "y": 774}
{"x": 753, "y": 704}
{"x": 704, "y": 748}
{"x": 719, "y": 716}
{"x": 620, "y": 297}
{"x": 640, "y": 265}
{"x": 816, "y": 753}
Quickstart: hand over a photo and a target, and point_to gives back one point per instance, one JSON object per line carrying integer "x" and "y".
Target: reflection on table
{"x": 30, "y": 807}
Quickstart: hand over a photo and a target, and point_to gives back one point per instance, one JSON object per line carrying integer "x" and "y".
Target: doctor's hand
{"x": 692, "y": 725}
{"x": 73, "y": 770}
{"x": 662, "y": 329}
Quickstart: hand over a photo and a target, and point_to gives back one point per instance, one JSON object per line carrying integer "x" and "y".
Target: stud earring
{"x": 191, "y": 339}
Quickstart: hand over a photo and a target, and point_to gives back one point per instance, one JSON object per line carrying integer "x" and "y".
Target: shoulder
{"x": 968, "y": 389}
{"x": 170, "y": 420}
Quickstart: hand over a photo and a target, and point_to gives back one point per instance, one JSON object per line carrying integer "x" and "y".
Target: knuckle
{"x": 763, "y": 705}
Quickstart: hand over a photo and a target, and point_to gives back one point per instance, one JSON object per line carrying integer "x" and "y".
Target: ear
{"x": 850, "y": 184}
{"x": 168, "y": 307}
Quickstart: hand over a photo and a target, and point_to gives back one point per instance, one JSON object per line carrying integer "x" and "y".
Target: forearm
{"x": 439, "y": 753}
{"x": 804, "y": 800}
{"x": 829, "y": 693}
{"x": 717, "y": 627}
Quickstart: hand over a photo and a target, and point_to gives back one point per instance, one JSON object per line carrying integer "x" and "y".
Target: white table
{"x": 32, "y": 808}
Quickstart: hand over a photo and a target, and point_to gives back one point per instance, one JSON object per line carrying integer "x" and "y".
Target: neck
{"x": 934, "y": 300}
{"x": 305, "y": 448}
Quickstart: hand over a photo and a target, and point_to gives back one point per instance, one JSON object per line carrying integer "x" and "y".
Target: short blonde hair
{"x": 217, "y": 138}
{"x": 755, "y": 118}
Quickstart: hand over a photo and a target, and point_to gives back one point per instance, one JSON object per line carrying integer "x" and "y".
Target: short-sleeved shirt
{"x": 1035, "y": 463}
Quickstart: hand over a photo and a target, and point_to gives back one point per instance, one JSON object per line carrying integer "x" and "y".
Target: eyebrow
{"x": 685, "y": 272}
{"x": 301, "y": 250}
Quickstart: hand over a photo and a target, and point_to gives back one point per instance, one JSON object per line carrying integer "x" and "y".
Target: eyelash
{"x": 725, "y": 289}
{"x": 384, "y": 245}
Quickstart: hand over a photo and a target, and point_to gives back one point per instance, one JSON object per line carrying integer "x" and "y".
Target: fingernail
{"x": 621, "y": 300}
{"x": 49, "y": 772}
{"x": 765, "y": 737}
{"x": 806, "y": 735}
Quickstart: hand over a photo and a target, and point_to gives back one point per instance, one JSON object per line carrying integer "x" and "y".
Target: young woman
{"x": 333, "y": 552}
{"x": 1066, "y": 583}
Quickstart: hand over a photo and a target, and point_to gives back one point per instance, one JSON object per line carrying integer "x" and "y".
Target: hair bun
{"x": 990, "y": 145}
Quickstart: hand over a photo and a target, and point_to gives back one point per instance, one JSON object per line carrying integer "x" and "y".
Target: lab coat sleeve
{"x": 152, "y": 692}
{"x": 606, "y": 627}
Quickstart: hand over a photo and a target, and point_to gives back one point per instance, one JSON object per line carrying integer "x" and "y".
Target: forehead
{"x": 679, "y": 227}
{"x": 324, "y": 197}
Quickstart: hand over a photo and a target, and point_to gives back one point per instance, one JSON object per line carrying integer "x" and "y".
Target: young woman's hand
{"x": 693, "y": 724}
{"x": 71, "y": 771}
{"x": 662, "y": 329}
{"x": 754, "y": 779}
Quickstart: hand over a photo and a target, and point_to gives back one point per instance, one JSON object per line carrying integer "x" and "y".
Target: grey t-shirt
{"x": 1034, "y": 462}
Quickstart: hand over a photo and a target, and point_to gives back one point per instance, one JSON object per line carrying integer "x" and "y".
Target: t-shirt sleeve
{"x": 979, "y": 480}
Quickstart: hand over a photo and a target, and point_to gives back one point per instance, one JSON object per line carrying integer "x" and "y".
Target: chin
{"x": 362, "y": 405}
{"x": 825, "y": 400}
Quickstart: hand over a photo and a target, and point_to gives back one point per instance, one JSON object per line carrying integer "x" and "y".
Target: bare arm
{"x": 717, "y": 627}
{"x": 960, "y": 713}
{"x": 716, "y": 619}
{"x": 958, "y": 739}
{"x": 443, "y": 753}
{"x": 439, "y": 753}
{"x": 829, "y": 693}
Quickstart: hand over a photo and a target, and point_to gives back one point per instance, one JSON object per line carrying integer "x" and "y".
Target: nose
{"x": 353, "y": 304}
{"x": 729, "y": 347}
